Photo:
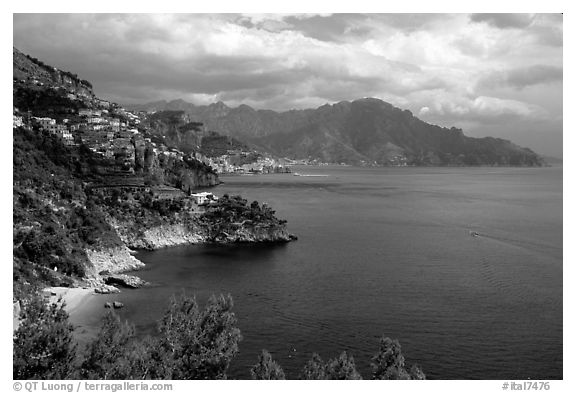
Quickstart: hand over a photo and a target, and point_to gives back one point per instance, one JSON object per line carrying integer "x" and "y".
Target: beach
{"x": 73, "y": 298}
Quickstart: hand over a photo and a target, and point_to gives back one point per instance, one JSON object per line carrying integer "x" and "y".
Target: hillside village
{"x": 64, "y": 106}
{"x": 92, "y": 181}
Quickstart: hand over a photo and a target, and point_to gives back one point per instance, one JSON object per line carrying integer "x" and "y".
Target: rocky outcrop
{"x": 165, "y": 235}
{"x": 104, "y": 289}
{"x": 256, "y": 234}
{"x": 124, "y": 280}
{"x": 113, "y": 260}
{"x": 187, "y": 173}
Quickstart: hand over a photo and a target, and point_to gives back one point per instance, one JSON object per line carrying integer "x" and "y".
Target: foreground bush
{"x": 197, "y": 344}
{"x": 266, "y": 368}
{"x": 43, "y": 344}
{"x": 192, "y": 343}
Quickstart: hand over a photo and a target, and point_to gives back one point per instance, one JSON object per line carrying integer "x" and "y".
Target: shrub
{"x": 43, "y": 344}
{"x": 266, "y": 368}
{"x": 340, "y": 368}
{"x": 116, "y": 353}
{"x": 343, "y": 367}
{"x": 389, "y": 362}
{"x": 197, "y": 344}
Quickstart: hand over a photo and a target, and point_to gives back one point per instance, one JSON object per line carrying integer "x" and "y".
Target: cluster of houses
{"x": 106, "y": 128}
{"x": 228, "y": 163}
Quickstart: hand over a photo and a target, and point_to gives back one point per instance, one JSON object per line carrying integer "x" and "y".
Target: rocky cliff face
{"x": 177, "y": 130}
{"x": 109, "y": 261}
{"x": 257, "y": 234}
{"x": 185, "y": 174}
{"x": 168, "y": 235}
{"x": 113, "y": 260}
{"x": 155, "y": 237}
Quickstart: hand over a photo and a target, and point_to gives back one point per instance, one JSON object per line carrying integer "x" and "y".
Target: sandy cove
{"x": 72, "y": 298}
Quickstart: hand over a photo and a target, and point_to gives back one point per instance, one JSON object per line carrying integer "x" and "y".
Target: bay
{"x": 385, "y": 251}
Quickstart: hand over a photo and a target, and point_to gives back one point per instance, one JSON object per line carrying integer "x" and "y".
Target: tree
{"x": 389, "y": 362}
{"x": 315, "y": 368}
{"x": 342, "y": 367}
{"x": 116, "y": 353}
{"x": 416, "y": 373}
{"x": 266, "y": 368}
{"x": 197, "y": 344}
{"x": 43, "y": 344}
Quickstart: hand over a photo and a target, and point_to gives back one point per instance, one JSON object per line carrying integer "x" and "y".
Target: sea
{"x": 463, "y": 266}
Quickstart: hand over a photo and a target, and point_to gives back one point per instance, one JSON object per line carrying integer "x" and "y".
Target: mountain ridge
{"x": 366, "y": 131}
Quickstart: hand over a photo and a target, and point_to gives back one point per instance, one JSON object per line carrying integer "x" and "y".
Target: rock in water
{"x": 124, "y": 280}
{"x": 106, "y": 289}
{"x": 117, "y": 305}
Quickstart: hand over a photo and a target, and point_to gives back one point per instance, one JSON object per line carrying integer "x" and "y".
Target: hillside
{"x": 29, "y": 69}
{"x": 178, "y": 131}
{"x": 366, "y": 131}
{"x": 91, "y": 179}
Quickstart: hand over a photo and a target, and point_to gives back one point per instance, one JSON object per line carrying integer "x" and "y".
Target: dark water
{"x": 388, "y": 252}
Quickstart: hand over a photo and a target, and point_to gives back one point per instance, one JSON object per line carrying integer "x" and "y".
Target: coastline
{"x": 72, "y": 298}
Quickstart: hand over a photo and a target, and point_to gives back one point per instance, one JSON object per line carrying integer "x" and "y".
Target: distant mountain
{"x": 367, "y": 131}
{"x": 243, "y": 122}
{"x": 553, "y": 161}
{"x": 177, "y": 130}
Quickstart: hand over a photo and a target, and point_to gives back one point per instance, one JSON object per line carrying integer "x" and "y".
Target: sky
{"x": 489, "y": 74}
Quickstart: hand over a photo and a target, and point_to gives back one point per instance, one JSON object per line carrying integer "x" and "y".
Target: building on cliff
{"x": 203, "y": 198}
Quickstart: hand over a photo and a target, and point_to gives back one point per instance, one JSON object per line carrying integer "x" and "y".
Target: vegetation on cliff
{"x": 58, "y": 213}
{"x": 25, "y": 66}
{"x": 177, "y": 130}
{"x": 231, "y": 215}
{"x": 57, "y": 217}
{"x": 190, "y": 343}
{"x": 53, "y": 219}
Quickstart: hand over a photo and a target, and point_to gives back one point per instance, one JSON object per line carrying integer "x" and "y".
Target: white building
{"x": 204, "y": 198}
{"x": 17, "y": 122}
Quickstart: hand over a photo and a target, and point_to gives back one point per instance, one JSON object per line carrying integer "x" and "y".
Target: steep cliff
{"x": 186, "y": 173}
{"x": 176, "y": 129}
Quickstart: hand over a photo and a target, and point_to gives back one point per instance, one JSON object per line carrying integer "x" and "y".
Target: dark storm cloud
{"x": 504, "y": 21}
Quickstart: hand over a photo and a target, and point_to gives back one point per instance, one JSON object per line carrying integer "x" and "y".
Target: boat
{"x": 305, "y": 175}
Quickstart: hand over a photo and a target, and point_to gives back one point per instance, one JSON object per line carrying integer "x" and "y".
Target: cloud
{"x": 446, "y": 67}
{"x": 504, "y": 21}
{"x": 448, "y": 110}
{"x": 331, "y": 28}
{"x": 522, "y": 77}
